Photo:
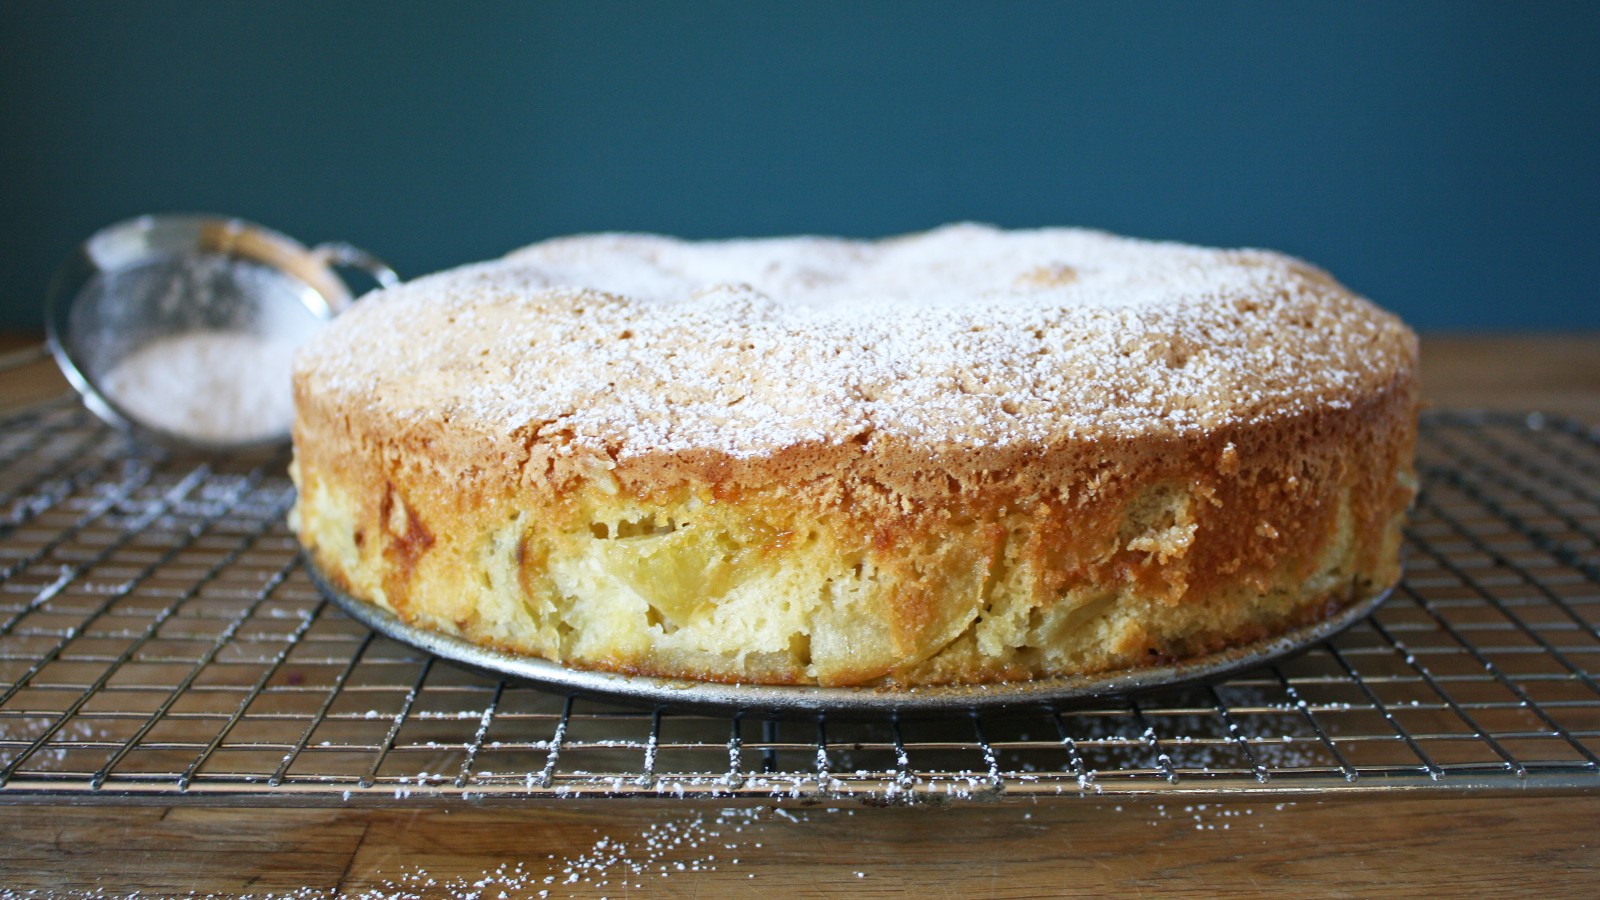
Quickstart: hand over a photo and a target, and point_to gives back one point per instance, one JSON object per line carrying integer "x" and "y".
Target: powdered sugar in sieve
{"x": 213, "y": 386}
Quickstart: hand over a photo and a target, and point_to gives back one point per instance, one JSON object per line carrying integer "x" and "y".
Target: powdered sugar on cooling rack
{"x": 966, "y": 335}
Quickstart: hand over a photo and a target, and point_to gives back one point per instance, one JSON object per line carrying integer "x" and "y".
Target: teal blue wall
{"x": 1443, "y": 158}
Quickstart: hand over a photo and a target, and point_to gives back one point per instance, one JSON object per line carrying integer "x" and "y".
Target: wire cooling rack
{"x": 160, "y": 642}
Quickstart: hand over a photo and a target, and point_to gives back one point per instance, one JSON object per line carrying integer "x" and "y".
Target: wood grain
{"x": 34, "y": 381}
{"x": 1557, "y": 374}
{"x": 1080, "y": 848}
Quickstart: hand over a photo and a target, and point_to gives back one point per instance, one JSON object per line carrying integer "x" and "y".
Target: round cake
{"x": 968, "y": 455}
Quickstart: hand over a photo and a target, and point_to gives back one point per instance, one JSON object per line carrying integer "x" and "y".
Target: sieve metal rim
{"x": 134, "y": 240}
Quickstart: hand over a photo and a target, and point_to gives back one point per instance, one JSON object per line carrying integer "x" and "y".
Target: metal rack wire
{"x": 160, "y": 642}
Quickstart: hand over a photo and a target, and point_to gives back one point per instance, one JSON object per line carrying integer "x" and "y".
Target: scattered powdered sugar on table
{"x": 686, "y": 846}
{"x": 213, "y": 386}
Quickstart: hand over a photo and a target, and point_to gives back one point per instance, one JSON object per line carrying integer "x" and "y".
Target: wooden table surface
{"x": 1444, "y": 844}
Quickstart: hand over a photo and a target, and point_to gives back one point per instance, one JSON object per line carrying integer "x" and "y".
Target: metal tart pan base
{"x": 805, "y": 701}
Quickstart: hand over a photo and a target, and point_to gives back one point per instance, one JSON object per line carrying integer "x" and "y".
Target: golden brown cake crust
{"x": 961, "y": 456}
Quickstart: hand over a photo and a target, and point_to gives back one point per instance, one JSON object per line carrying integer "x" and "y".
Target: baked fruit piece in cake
{"x": 969, "y": 455}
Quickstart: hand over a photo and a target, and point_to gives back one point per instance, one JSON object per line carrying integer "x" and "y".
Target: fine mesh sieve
{"x": 180, "y": 328}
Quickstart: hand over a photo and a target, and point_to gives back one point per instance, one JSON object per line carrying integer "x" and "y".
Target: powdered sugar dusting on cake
{"x": 966, "y": 335}
{"x": 951, "y": 267}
